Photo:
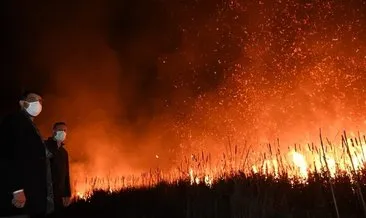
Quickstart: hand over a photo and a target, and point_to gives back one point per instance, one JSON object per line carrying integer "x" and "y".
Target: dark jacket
{"x": 23, "y": 165}
{"x": 60, "y": 170}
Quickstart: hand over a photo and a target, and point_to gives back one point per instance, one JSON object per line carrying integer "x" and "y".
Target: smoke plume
{"x": 137, "y": 80}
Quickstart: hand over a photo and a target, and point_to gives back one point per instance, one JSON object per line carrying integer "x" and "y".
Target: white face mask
{"x": 34, "y": 108}
{"x": 60, "y": 136}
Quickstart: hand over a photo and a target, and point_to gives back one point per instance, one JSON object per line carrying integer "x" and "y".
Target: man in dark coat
{"x": 59, "y": 166}
{"x": 26, "y": 183}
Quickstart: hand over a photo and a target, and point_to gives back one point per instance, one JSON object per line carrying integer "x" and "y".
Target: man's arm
{"x": 67, "y": 191}
{"x": 16, "y": 156}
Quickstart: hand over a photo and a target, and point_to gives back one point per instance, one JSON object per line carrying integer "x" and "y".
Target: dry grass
{"x": 271, "y": 184}
{"x": 249, "y": 196}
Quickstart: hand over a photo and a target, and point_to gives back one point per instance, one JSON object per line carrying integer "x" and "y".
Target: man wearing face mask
{"x": 26, "y": 183}
{"x": 59, "y": 166}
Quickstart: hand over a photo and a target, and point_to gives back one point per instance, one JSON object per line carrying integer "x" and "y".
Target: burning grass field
{"x": 234, "y": 196}
{"x": 324, "y": 180}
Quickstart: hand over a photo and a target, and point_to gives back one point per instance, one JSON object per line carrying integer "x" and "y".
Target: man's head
{"x": 31, "y": 102}
{"x": 59, "y": 131}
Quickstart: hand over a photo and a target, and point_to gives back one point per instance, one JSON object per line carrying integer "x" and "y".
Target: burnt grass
{"x": 236, "y": 196}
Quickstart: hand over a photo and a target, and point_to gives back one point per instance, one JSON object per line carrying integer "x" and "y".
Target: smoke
{"x": 103, "y": 74}
{"x": 103, "y": 69}
{"x": 137, "y": 79}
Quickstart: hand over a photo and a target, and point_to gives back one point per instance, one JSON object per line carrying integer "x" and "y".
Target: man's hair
{"x": 26, "y": 93}
{"x": 58, "y": 124}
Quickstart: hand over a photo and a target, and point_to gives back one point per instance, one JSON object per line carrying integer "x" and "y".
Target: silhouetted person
{"x": 59, "y": 167}
{"x": 26, "y": 183}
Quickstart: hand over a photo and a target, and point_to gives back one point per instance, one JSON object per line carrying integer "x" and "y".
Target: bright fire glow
{"x": 250, "y": 71}
{"x": 296, "y": 165}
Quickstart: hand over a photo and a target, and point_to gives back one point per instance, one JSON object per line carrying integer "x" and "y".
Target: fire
{"x": 300, "y": 162}
{"x": 268, "y": 71}
{"x": 80, "y": 195}
{"x": 296, "y": 164}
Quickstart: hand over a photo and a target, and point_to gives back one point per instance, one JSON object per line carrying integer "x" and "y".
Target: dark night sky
{"x": 101, "y": 62}
{"x": 203, "y": 66}
{"x": 26, "y": 26}
{"x": 203, "y": 40}
{"x": 140, "y": 32}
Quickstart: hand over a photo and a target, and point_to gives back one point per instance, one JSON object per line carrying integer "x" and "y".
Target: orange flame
{"x": 296, "y": 164}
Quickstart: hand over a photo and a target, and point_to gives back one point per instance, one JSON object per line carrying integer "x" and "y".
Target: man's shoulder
{"x": 50, "y": 143}
{"x": 64, "y": 151}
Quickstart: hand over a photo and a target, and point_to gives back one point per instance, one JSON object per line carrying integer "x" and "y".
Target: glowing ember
{"x": 296, "y": 165}
{"x": 271, "y": 69}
